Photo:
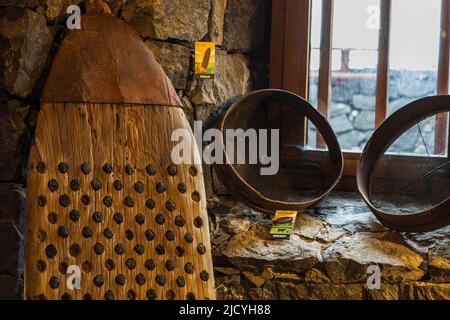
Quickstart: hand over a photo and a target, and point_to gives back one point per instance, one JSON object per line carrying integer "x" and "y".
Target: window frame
{"x": 289, "y": 70}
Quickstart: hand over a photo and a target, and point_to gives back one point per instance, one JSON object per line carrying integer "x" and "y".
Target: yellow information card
{"x": 205, "y": 60}
{"x": 283, "y": 224}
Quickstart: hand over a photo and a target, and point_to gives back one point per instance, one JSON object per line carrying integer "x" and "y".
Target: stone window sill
{"x": 327, "y": 256}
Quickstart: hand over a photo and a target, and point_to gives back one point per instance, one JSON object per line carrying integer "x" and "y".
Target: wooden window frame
{"x": 289, "y": 70}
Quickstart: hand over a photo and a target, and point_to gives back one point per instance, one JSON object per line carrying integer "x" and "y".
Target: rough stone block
{"x": 347, "y": 259}
{"x": 365, "y": 120}
{"x": 426, "y": 291}
{"x": 233, "y": 78}
{"x": 341, "y": 124}
{"x": 56, "y": 10}
{"x": 9, "y": 288}
{"x": 351, "y": 140}
{"x": 339, "y": 109}
{"x": 416, "y": 84}
{"x": 439, "y": 262}
{"x": 177, "y": 19}
{"x": 174, "y": 59}
{"x": 217, "y": 18}
{"x": 13, "y": 137}
{"x": 336, "y": 292}
{"x": 288, "y": 291}
{"x": 316, "y": 276}
{"x": 253, "y": 248}
{"x": 188, "y": 111}
{"x": 9, "y": 249}
{"x": 116, "y": 6}
{"x": 364, "y": 102}
{"x": 284, "y": 291}
{"x": 25, "y": 41}
{"x": 19, "y": 3}
{"x": 12, "y": 198}
{"x": 245, "y": 24}
{"x": 386, "y": 292}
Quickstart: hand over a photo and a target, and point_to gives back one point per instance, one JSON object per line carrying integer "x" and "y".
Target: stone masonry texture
{"x": 30, "y": 35}
{"x": 327, "y": 257}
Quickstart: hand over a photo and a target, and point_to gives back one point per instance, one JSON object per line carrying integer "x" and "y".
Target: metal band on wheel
{"x": 247, "y": 193}
{"x": 392, "y": 128}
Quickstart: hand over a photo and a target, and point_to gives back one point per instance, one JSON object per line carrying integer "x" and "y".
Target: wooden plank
{"x": 129, "y": 138}
{"x": 276, "y": 60}
{"x": 296, "y": 69}
{"x": 382, "y": 99}
{"x": 289, "y": 66}
{"x": 442, "y": 134}
{"x": 296, "y": 47}
{"x": 277, "y": 44}
{"x": 324, "y": 83}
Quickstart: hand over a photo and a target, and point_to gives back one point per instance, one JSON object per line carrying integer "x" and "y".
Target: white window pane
{"x": 355, "y": 24}
{"x": 316, "y": 23}
{"x": 355, "y": 35}
{"x": 363, "y": 59}
{"x": 314, "y": 60}
{"x": 336, "y": 58}
{"x": 414, "y": 56}
{"x": 415, "y": 26}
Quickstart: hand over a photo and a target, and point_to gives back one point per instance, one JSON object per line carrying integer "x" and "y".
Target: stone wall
{"x": 30, "y": 34}
{"x": 328, "y": 256}
{"x": 352, "y": 113}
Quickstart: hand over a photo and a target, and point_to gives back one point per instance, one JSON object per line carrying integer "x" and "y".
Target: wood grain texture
{"x": 324, "y": 83}
{"x": 442, "y": 135}
{"x": 382, "y": 98}
{"x": 109, "y": 63}
{"x": 126, "y": 137}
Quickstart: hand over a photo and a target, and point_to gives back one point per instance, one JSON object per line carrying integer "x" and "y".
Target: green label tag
{"x": 283, "y": 224}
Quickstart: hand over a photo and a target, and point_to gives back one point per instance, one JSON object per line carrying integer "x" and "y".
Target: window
{"x": 364, "y": 60}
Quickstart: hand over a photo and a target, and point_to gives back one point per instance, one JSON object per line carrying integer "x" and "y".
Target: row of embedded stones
{"x": 97, "y": 217}
{"x": 96, "y": 185}
{"x": 130, "y": 263}
{"x": 131, "y": 295}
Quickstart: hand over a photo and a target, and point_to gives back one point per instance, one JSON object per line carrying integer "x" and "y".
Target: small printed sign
{"x": 205, "y": 60}
{"x": 283, "y": 225}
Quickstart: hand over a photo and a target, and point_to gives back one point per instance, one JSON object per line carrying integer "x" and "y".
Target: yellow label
{"x": 283, "y": 224}
{"x": 205, "y": 60}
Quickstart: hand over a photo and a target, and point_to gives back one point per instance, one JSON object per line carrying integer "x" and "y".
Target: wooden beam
{"x": 296, "y": 70}
{"x": 442, "y": 136}
{"x": 277, "y": 44}
{"x": 382, "y": 96}
{"x": 289, "y": 66}
{"x": 324, "y": 83}
{"x": 296, "y": 46}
